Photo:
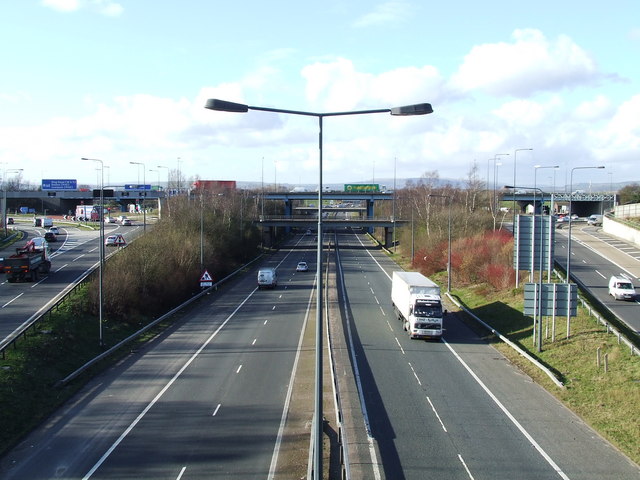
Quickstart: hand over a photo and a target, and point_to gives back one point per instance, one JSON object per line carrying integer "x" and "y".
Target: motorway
{"x": 457, "y": 409}
{"x": 206, "y": 399}
{"x": 74, "y": 253}
{"x": 595, "y": 257}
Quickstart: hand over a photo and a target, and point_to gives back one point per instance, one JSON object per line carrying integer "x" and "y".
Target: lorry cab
{"x": 267, "y": 277}
{"x": 621, "y": 288}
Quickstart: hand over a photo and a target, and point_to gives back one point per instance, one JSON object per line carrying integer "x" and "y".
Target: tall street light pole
{"x": 144, "y": 193}
{"x": 568, "y": 279}
{"x": 225, "y": 106}
{"x": 515, "y": 157}
{"x": 166, "y": 192}
{"x": 4, "y": 194}
{"x": 535, "y": 184}
{"x": 495, "y": 198}
{"x": 537, "y": 339}
{"x": 450, "y": 198}
{"x": 101, "y": 269}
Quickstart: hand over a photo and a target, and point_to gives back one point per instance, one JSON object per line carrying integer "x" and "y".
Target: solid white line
{"x": 181, "y": 473}
{"x": 60, "y": 268}
{"x": 254, "y": 341}
{"x": 465, "y": 467}
{"x": 599, "y": 274}
{"x": 398, "y": 342}
{"x": 436, "y": 412}
{"x": 508, "y": 414}
{"x": 141, "y": 415}
{"x": 265, "y": 322}
{"x": 216, "y": 410}
{"x": 285, "y": 410}
{"x": 239, "y": 368}
{"x": 14, "y": 298}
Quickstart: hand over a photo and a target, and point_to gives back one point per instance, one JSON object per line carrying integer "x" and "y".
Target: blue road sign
{"x": 63, "y": 184}
{"x": 133, "y": 186}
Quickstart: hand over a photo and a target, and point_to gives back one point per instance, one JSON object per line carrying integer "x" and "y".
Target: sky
{"x": 512, "y": 85}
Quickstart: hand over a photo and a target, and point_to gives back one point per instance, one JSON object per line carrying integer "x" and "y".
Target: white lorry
{"x": 417, "y": 303}
{"x": 267, "y": 278}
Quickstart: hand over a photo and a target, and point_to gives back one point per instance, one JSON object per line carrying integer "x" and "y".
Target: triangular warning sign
{"x": 120, "y": 241}
{"x": 206, "y": 277}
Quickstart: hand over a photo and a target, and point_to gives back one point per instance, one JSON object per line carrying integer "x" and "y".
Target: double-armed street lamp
{"x": 226, "y": 106}
{"x": 101, "y": 268}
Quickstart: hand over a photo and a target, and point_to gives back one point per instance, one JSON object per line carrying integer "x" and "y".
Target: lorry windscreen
{"x": 428, "y": 310}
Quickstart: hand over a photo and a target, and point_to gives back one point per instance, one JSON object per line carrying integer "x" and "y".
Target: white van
{"x": 267, "y": 277}
{"x": 621, "y": 288}
{"x": 594, "y": 220}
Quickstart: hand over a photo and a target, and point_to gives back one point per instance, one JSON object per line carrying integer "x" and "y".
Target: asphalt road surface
{"x": 456, "y": 409}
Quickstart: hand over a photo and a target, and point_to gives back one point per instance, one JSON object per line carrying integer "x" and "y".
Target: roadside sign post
{"x": 205, "y": 280}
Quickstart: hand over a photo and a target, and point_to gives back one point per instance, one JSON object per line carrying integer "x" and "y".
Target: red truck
{"x": 28, "y": 262}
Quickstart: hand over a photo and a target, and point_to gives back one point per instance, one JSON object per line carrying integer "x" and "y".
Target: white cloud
{"x": 384, "y": 14}
{"x": 528, "y": 65}
{"x": 104, "y": 7}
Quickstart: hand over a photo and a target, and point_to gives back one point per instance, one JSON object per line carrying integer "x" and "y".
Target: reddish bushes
{"x": 483, "y": 258}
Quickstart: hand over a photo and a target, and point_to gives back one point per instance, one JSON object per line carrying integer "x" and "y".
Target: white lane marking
{"x": 376, "y": 299}
{"x": 294, "y": 369}
{"x": 508, "y": 414}
{"x": 382, "y": 311}
{"x": 390, "y": 328}
{"x": 39, "y": 282}
{"x": 436, "y": 412}
{"x": 274, "y": 307}
{"x": 415, "y": 374}
{"x": 239, "y": 368}
{"x": 398, "y": 342}
{"x": 78, "y": 257}
{"x": 254, "y": 341}
{"x": 181, "y": 473}
{"x": 60, "y": 268}
{"x": 465, "y": 467}
{"x": 13, "y": 299}
{"x": 141, "y": 415}
{"x": 265, "y": 322}
{"x": 599, "y": 274}
{"x": 216, "y": 410}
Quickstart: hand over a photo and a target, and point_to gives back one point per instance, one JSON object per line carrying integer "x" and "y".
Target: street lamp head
{"x": 417, "y": 109}
{"x": 225, "y": 106}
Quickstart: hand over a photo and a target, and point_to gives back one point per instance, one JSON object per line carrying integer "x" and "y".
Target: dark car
{"x": 10, "y": 221}
{"x": 50, "y": 237}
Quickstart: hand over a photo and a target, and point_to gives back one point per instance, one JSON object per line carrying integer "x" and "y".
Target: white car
{"x": 54, "y": 230}
{"x": 111, "y": 241}
{"x": 302, "y": 267}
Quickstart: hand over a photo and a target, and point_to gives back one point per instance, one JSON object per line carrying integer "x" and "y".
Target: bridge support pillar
{"x": 388, "y": 237}
{"x": 267, "y": 236}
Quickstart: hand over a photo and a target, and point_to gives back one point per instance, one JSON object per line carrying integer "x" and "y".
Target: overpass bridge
{"x": 583, "y": 204}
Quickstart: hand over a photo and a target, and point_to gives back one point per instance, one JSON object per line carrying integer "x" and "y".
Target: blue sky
{"x": 127, "y": 81}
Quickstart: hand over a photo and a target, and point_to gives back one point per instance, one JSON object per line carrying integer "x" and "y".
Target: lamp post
{"x": 101, "y": 269}
{"x": 537, "y": 339}
{"x": 225, "y": 106}
{"x": 4, "y": 194}
{"x": 570, "y": 214}
{"x": 144, "y": 182}
{"x": 515, "y": 156}
{"x": 450, "y": 198}
{"x": 535, "y": 183}
{"x": 495, "y": 198}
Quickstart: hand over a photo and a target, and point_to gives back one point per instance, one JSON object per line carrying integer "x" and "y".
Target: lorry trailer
{"x": 417, "y": 304}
